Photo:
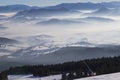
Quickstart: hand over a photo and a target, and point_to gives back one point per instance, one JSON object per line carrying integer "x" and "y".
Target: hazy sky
{"x": 45, "y": 2}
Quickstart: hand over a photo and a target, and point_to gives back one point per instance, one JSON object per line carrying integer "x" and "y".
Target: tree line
{"x": 69, "y": 70}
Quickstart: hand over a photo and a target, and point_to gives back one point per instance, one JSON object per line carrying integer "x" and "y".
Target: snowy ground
{"x": 114, "y": 76}
{"x": 30, "y": 77}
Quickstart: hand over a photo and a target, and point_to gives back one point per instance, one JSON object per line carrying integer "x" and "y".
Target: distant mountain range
{"x": 66, "y": 6}
{"x": 47, "y": 53}
{"x": 62, "y": 55}
{"x": 102, "y": 10}
{"x": 74, "y": 21}
{"x": 60, "y": 22}
{"x": 8, "y": 46}
{"x": 28, "y": 13}
{"x": 97, "y": 19}
{"x": 77, "y": 6}
{"x": 13, "y": 8}
{"x": 7, "y": 41}
{"x": 106, "y": 11}
{"x": 43, "y": 12}
{"x": 87, "y": 6}
{"x": 35, "y": 13}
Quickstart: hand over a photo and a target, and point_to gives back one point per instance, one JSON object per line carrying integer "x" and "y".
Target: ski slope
{"x": 30, "y": 77}
{"x": 113, "y": 76}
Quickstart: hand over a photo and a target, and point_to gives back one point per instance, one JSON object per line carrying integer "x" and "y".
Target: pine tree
{"x": 3, "y": 76}
{"x": 64, "y": 76}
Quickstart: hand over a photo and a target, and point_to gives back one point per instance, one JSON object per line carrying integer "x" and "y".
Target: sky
{"x": 45, "y": 2}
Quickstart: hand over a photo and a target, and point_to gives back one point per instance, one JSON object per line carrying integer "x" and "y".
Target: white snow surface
{"x": 113, "y": 76}
{"x": 30, "y": 77}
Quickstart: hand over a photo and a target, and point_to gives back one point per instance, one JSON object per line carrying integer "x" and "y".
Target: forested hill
{"x": 99, "y": 65}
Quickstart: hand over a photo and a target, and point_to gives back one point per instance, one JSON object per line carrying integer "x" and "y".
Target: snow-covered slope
{"x": 30, "y": 77}
{"x": 114, "y": 76}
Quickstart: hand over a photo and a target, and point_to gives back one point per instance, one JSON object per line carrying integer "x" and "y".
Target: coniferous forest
{"x": 69, "y": 70}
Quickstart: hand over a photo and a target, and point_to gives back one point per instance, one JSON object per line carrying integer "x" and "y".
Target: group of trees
{"x": 70, "y": 70}
{"x": 3, "y": 76}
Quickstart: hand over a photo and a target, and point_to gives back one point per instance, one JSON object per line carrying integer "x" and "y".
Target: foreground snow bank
{"x": 114, "y": 76}
{"x": 30, "y": 77}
